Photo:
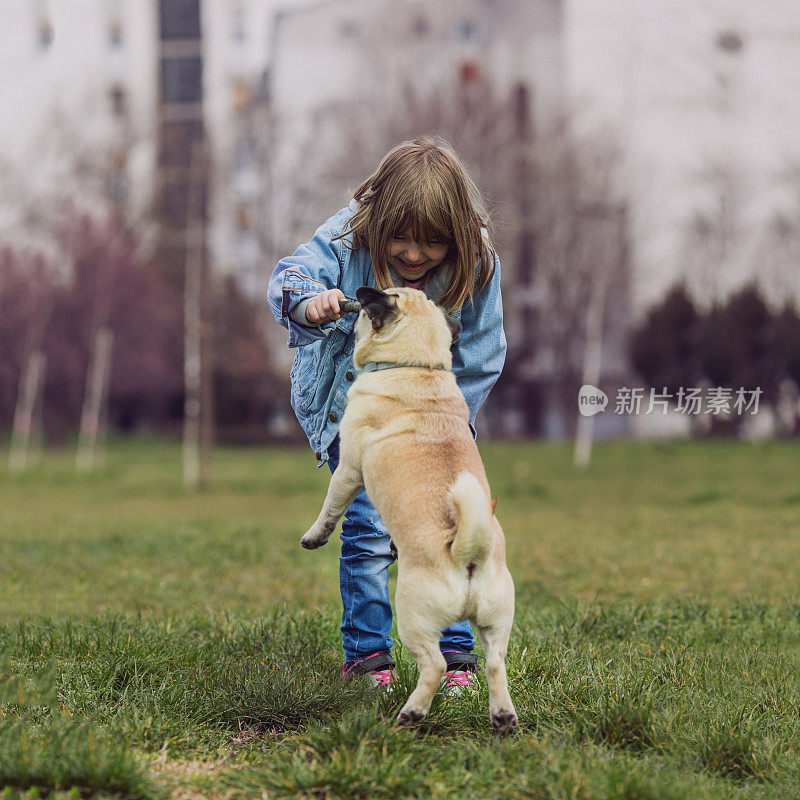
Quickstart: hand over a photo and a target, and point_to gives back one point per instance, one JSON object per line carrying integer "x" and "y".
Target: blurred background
{"x": 641, "y": 159}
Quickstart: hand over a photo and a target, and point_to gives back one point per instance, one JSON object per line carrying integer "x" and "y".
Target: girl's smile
{"x": 412, "y": 259}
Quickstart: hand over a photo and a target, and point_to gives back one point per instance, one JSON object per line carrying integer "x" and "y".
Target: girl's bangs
{"x": 426, "y": 224}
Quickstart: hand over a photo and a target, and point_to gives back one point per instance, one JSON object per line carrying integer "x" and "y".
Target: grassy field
{"x": 158, "y": 643}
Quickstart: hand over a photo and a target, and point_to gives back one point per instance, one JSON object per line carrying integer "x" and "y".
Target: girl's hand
{"x": 325, "y": 306}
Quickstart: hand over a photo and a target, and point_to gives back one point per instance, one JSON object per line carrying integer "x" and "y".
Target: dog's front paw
{"x": 316, "y": 537}
{"x": 312, "y": 540}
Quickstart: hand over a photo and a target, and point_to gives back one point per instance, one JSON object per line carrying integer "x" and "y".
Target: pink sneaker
{"x": 382, "y": 678}
{"x": 459, "y": 682}
{"x": 378, "y": 667}
{"x": 461, "y": 677}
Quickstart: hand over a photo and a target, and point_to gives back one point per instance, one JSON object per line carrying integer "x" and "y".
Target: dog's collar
{"x": 374, "y": 366}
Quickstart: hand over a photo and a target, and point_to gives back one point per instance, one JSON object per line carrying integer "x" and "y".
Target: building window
{"x": 348, "y": 29}
{"x": 242, "y": 96}
{"x": 782, "y": 226}
{"x": 467, "y": 30}
{"x": 730, "y": 41}
{"x": 44, "y": 28}
{"x": 180, "y": 19}
{"x": 44, "y": 36}
{"x": 115, "y": 35}
{"x": 181, "y": 79}
{"x": 118, "y": 179}
{"x": 239, "y": 26}
{"x": 119, "y": 101}
{"x": 177, "y": 141}
{"x": 420, "y": 27}
{"x": 468, "y": 73}
{"x": 244, "y": 220}
{"x": 522, "y": 109}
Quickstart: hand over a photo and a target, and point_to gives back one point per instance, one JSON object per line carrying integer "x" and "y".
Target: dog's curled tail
{"x": 472, "y": 513}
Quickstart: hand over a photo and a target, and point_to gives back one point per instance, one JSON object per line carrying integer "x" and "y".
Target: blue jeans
{"x": 364, "y": 582}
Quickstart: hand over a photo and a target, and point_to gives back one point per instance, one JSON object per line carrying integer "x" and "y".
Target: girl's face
{"x": 414, "y": 259}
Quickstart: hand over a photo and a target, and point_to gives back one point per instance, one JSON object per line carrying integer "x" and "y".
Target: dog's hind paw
{"x": 504, "y": 722}
{"x": 410, "y": 717}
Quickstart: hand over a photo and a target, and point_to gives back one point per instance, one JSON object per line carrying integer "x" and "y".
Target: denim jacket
{"x": 322, "y": 370}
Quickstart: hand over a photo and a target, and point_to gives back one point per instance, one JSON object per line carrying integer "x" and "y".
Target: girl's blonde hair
{"x": 422, "y": 185}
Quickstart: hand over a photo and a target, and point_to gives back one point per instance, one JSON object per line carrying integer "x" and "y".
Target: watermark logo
{"x": 591, "y": 400}
{"x": 715, "y": 400}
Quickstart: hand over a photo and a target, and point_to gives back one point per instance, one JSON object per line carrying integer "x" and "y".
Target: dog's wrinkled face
{"x": 403, "y": 326}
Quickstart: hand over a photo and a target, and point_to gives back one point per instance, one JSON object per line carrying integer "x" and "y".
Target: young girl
{"x": 417, "y": 221}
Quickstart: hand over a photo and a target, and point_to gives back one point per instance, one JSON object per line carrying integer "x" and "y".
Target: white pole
{"x": 30, "y": 389}
{"x": 92, "y": 416}
{"x": 192, "y": 313}
{"x": 606, "y": 221}
{"x": 592, "y": 360}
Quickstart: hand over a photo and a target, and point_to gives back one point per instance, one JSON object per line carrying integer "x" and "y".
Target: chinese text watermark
{"x": 716, "y": 400}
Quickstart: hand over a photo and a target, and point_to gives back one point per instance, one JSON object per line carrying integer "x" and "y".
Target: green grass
{"x": 162, "y": 643}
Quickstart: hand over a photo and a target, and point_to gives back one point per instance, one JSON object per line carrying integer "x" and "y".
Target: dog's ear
{"x": 454, "y": 325}
{"x": 379, "y": 306}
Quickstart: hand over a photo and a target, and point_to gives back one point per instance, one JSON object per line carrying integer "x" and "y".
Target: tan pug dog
{"x": 405, "y": 438}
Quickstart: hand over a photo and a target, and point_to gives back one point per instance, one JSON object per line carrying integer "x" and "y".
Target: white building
{"x": 703, "y": 96}
{"x": 322, "y": 49}
{"x": 79, "y": 96}
{"x": 78, "y": 85}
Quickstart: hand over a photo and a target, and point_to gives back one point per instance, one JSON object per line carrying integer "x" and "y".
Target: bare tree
{"x": 778, "y": 249}
{"x": 713, "y": 236}
{"x": 70, "y": 170}
{"x": 581, "y": 266}
{"x": 32, "y": 307}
